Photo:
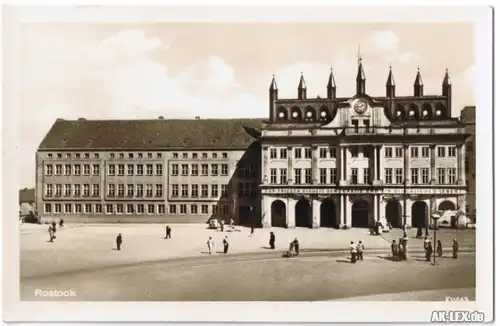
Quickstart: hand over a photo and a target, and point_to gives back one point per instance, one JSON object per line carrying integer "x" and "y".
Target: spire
{"x": 302, "y": 87}
{"x": 418, "y": 79}
{"x": 331, "y": 87}
{"x": 446, "y": 85}
{"x": 360, "y": 79}
{"x": 390, "y": 85}
{"x": 418, "y": 86}
{"x": 273, "y": 86}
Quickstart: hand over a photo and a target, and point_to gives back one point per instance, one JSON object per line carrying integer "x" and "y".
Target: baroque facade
{"x": 468, "y": 118}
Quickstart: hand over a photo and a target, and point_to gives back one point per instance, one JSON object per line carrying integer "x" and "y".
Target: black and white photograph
{"x": 293, "y": 167}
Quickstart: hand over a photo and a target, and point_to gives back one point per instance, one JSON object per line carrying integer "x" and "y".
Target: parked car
{"x": 31, "y": 218}
{"x": 213, "y": 223}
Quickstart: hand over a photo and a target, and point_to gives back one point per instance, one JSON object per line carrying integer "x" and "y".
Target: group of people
{"x": 439, "y": 248}
{"x": 356, "y": 251}
{"x": 211, "y": 245}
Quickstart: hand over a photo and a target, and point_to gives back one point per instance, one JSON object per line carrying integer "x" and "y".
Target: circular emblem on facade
{"x": 360, "y": 107}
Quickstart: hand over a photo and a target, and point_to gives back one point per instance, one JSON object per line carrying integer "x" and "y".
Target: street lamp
{"x": 435, "y": 218}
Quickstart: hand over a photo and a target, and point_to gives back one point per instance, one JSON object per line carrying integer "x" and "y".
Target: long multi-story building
{"x": 468, "y": 118}
{"x": 314, "y": 162}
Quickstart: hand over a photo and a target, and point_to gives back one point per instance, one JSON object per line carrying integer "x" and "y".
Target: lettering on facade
{"x": 331, "y": 191}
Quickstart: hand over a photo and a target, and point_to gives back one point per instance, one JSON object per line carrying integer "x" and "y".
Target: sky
{"x": 218, "y": 70}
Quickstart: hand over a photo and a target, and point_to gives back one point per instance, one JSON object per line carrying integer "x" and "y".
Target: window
{"x": 111, "y": 190}
{"x": 441, "y": 172}
{"x": 214, "y": 155}
{"x": 333, "y": 175}
{"x": 298, "y": 152}
{"x": 67, "y": 169}
{"x": 322, "y": 176}
{"x": 245, "y": 189}
{"x": 323, "y": 152}
{"x": 86, "y": 169}
{"x": 119, "y": 208}
{"x": 194, "y": 191}
{"x": 58, "y": 169}
{"x": 194, "y": 209}
{"x": 122, "y": 155}
{"x": 425, "y": 175}
{"x": 452, "y": 175}
{"x": 204, "y": 209}
{"x": 111, "y": 169}
{"x": 398, "y": 175}
{"x": 224, "y": 155}
{"x": 78, "y": 208}
{"x": 355, "y": 124}
{"x": 388, "y": 175}
{"x": 130, "y": 208}
{"x": 121, "y": 190}
{"x": 109, "y": 209}
{"x": 441, "y": 151}
{"x": 57, "y": 207}
{"x": 130, "y": 155}
{"x": 354, "y": 176}
{"x": 366, "y": 176}
{"x": 121, "y": 169}
{"x": 159, "y": 190}
{"x": 195, "y": 155}
{"x": 367, "y": 152}
{"x": 87, "y": 155}
{"x": 98, "y": 208}
{"x": 425, "y": 151}
{"x": 298, "y": 176}
{"x": 149, "y": 190}
{"x": 67, "y": 208}
{"x": 78, "y": 169}
{"x": 274, "y": 176}
{"x": 388, "y": 152}
{"x": 139, "y": 190}
{"x": 273, "y": 153}
{"x": 225, "y": 208}
{"x": 308, "y": 176}
{"x": 158, "y": 155}
{"x": 398, "y": 152}
{"x": 215, "y": 191}
{"x": 96, "y": 191}
{"x": 204, "y": 191}
{"x": 86, "y": 190}
{"x": 130, "y": 169}
{"x": 176, "y": 155}
{"x": 333, "y": 152}
{"x": 283, "y": 152}
{"x": 175, "y": 191}
{"x": 48, "y": 208}
{"x": 67, "y": 190}
{"x": 130, "y": 190}
{"x": 204, "y": 169}
{"x": 151, "y": 208}
{"x": 49, "y": 169}
{"x": 77, "y": 190}
{"x": 204, "y": 155}
{"x": 59, "y": 155}
{"x": 184, "y": 170}
{"x": 140, "y": 208}
{"x": 366, "y": 122}
{"x": 48, "y": 190}
{"x": 283, "y": 176}
{"x": 87, "y": 208}
{"x": 307, "y": 153}
{"x": 224, "y": 169}
{"x": 184, "y": 155}
{"x": 215, "y": 170}
{"x": 184, "y": 191}
{"x": 111, "y": 155}
{"x": 149, "y": 169}
{"x": 414, "y": 175}
{"x": 414, "y": 151}
{"x": 49, "y": 155}
{"x": 68, "y": 155}
{"x": 150, "y": 155}
{"x": 183, "y": 209}
{"x": 140, "y": 169}
{"x": 95, "y": 169}
{"x": 194, "y": 169}
{"x": 354, "y": 151}
{"x": 215, "y": 210}
{"x": 159, "y": 169}
{"x": 175, "y": 169}
{"x": 172, "y": 209}
{"x": 452, "y": 151}
{"x": 58, "y": 190}
{"x": 223, "y": 191}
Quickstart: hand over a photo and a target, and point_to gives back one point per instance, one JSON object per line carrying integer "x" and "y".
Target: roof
{"x": 27, "y": 195}
{"x": 151, "y": 134}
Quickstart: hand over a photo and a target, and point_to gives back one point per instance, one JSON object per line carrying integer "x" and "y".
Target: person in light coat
{"x": 211, "y": 245}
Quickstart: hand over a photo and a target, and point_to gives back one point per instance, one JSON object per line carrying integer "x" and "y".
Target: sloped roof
{"x": 151, "y": 134}
{"x": 27, "y": 195}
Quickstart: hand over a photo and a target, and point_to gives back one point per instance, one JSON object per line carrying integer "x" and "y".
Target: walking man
{"x": 439, "y": 248}
{"x": 169, "y": 233}
{"x": 210, "y": 244}
{"x": 360, "y": 248}
{"x": 455, "y": 249}
{"x": 428, "y": 252}
{"x": 226, "y": 244}
{"x": 51, "y": 233}
{"x": 252, "y": 229}
{"x": 395, "y": 250}
{"x": 119, "y": 241}
{"x": 272, "y": 240}
{"x": 352, "y": 250}
{"x": 222, "y": 225}
{"x": 296, "y": 246}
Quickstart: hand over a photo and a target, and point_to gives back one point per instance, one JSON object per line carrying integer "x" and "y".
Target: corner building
{"x": 349, "y": 162}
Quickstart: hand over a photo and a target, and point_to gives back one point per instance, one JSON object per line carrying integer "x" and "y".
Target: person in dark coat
{"x": 169, "y": 233}
{"x": 360, "y": 248}
{"x": 428, "y": 252}
{"x": 296, "y": 246}
{"x": 225, "y": 244}
{"x": 455, "y": 249}
{"x": 395, "y": 250}
{"x": 419, "y": 233}
{"x": 272, "y": 240}
{"x": 119, "y": 241}
{"x": 252, "y": 229}
{"x": 221, "y": 226}
{"x": 439, "y": 248}
{"x": 61, "y": 223}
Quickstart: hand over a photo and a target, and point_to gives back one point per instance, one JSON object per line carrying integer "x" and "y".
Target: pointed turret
{"x": 302, "y": 88}
{"x": 418, "y": 86}
{"x": 390, "y": 85}
{"x": 360, "y": 79}
{"x": 446, "y": 84}
{"x": 331, "y": 88}
{"x": 273, "y": 96}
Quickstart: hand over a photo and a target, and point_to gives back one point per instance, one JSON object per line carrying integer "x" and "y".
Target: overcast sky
{"x": 183, "y": 70}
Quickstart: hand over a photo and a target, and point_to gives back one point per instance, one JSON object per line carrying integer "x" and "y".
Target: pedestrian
{"x": 51, "y": 234}
{"x": 210, "y": 244}
{"x": 61, "y": 223}
{"x": 395, "y": 250}
{"x": 222, "y": 225}
{"x": 428, "y": 252}
{"x": 439, "y": 248}
{"x": 252, "y": 229}
{"x": 272, "y": 240}
{"x": 225, "y": 244}
{"x": 455, "y": 249}
{"x": 360, "y": 248}
{"x": 427, "y": 242}
{"x": 119, "y": 241}
{"x": 296, "y": 246}
{"x": 169, "y": 233}
{"x": 352, "y": 250}
{"x": 231, "y": 223}
{"x": 419, "y": 233}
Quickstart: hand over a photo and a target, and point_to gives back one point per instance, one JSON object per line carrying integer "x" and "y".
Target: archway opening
{"x": 394, "y": 213}
{"x": 303, "y": 214}
{"x": 419, "y": 216}
{"x": 449, "y": 206}
{"x": 360, "y": 214}
{"x": 328, "y": 214}
{"x": 278, "y": 214}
